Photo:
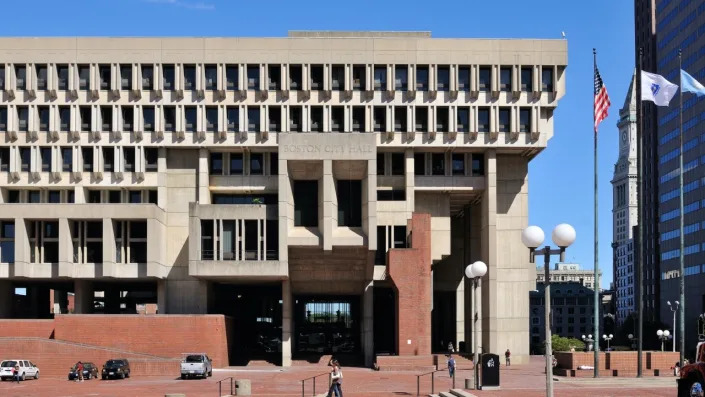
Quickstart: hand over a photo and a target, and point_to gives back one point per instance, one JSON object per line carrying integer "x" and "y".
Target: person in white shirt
{"x": 336, "y": 380}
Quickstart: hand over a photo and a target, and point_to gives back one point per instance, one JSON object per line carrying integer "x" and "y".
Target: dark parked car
{"x": 89, "y": 371}
{"x": 116, "y": 368}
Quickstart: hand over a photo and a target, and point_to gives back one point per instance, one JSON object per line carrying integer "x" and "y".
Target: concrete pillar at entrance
{"x": 83, "y": 297}
{"x": 368, "y": 347}
{"x": 287, "y": 324}
{"x": 329, "y": 215}
{"x": 460, "y": 314}
{"x": 7, "y": 296}
{"x": 204, "y": 196}
{"x": 161, "y": 297}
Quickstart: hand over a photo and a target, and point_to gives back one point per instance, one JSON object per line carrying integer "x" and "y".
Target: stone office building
{"x": 325, "y": 190}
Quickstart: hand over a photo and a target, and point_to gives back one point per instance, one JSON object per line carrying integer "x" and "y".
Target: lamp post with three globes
{"x": 563, "y": 236}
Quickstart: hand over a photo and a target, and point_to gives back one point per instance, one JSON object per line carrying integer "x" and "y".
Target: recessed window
{"x": 419, "y": 163}
{"x": 84, "y": 77}
{"x": 380, "y": 163}
{"x": 422, "y": 78}
{"x": 66, "y": 159}
{"x": 3, "y": 116}
{"x": 458, "y": 164}
{"x": 275, "y": 118}
{"x": 358, "y": 119}
{"x": 295, "y": 119}
{"x": 306, "y": 203}
{"x": 62, "y": 74}
{"x": 547, "y": 79}
{"x": 359, "y": 77}
{"x": 483, "y": 120}
{"x": 147, "y": 77}
{"x": 135, "y": 196}
{"x": 169, "y": 118}
{"x": 443, "y": 81}
{"x": 25, "y": 158}
{"x": 526, "y": 79}
{"x": 169, "y": 77}
{"x": 338, "y": 77}
{"x": 464, "y": 78}
{"x": 504, "y": 119}
{"x": 316, "y": 118}
{"x": 86, "y": 118}
{"x": 54, "y": 196}
{"x": 233, "y": 115}
{"x": 316, "y": 77}
{"x": 400, "y": 124}
{"x": 42, "y": 77}
{"x": 421, "y": 119}
{"x": 505, "y": 78}
{"x": 190, "y": 115}
{"x": 151, "y": 159}
{"x": 108, "y": 159}
{"x": 236, "y": 164}
{"x": 253, "y": 77}
{"x": 391, "y": 195}
{"x": 273, "y": 163}
{"x": 463, "y": 121}
{"x": 398, "y": 163}
{"x": 87, "y": 155}
{"x": 485, "y": 78}
{"x": 211, "y": 75}
{"x": 478, "y": 164}
{"x": 148, "y": 118}
{"x": 7, "y": 239}
{"x": 524, "y": 120}
{"x": 211, "y": 118}
{"x": 34, "y": 197}
{"x": 442, "y": 119}
{"x": 106, "y": 118}
{"x": 349, "y": 194}
{"x": 105, "y": 75}
{"x": 380, "y": 78}
{"x": 438, "y": 164}
{"x": 379, "y": 118}
{"x": 216, "y": 164}
{"x": 190, "y": 77}
{"x": 125, "y": 77}
{"x": 129, "y": 155}
{"x": 256, "y": 163}
{"x": 127, "y": 113}
{"x": 401, "y": 77}
{"x": 231, "y": 77}
{"x": 43, "y": 118}
{"x": 337, "y": 115}
{"x": 23, "y": 118}
{"x": 4, "y": 159}
{"x": 295, "y": 77}
{"x": 45, "y": 154}
{"x": 253, "y": 118}
{"x": 274, "y": 77}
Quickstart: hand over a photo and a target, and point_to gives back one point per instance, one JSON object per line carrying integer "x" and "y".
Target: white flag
{"x": 657, "y": 89}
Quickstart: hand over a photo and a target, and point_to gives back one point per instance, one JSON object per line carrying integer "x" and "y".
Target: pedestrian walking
{"x": 336, "y": 380}
{"x": 451, "y": 366}
{"x": 79, "y": 370}
{"x": 16, "y": 372}
{"x": 507, "y": 355}
{"x": 451, "y": 348}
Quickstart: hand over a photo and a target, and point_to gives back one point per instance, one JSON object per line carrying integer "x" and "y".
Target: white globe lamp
{"x": 479, "y": 269}
{"x": 532, "y": 236}
{"x": 563, "y": 235}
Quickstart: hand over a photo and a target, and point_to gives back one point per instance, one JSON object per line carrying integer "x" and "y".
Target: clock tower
{"x": 624, "y": 209}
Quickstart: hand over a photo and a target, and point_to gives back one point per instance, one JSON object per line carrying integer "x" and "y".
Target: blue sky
{"x": 561, "y": 178}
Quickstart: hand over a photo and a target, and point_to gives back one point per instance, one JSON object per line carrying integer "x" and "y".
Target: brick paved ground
{"x": 519, "y": 381}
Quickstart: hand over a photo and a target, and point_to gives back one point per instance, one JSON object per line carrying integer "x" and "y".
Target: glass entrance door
{"x": 327, "y": 325}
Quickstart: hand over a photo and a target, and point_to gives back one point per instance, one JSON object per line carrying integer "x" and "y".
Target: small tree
{"x": 561, "y": 344}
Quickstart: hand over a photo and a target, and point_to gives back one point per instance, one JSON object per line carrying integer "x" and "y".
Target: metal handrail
{"x": 433, "y": 373}
{"x": 220, "y": 384}
{"x": 313, "y": 378}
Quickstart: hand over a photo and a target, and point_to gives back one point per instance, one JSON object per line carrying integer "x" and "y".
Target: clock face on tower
{"x": 624, "y": 137}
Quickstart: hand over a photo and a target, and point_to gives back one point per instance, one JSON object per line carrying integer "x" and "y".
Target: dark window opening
{"x": 211, "y": 118}
{"x": 216, "y": 164}
{"x": 233, "y": 118}
{"x": 94, "y": 196}
{"x": 421, "y": 78}
{"x": 66, "y": 159}
{"x": 295, "y": 77}
{"x": 43, "y": 118}
{"x": 526, "y": 79}
{"x": 547, "y": 79}
{"x": 505, "y": 79}
{"x": 295, "y": 119}
{"x": 358, "y": 119}
{"x": 379, "y": 118}
{"x": 4, "y": 159}
{"x": 106, "y": 118}
{"x": 274, "y": 77}
{"x": 275, "y": 118}
{"x": 398, "y": 160}
{"x": 380, "y": 78}
{"x": 45, "y": 155}
{"x": 273, "y": 163}
{"x": 148, "y": 118}
{"x": 207, "y": 251}
{"x": 253, "y": 77}
{"x": 442, "y": 119}
{"x": 485, "y": 78}
{"x": 151, "y": 159}
{"x": 401, "y": 77}
{"x": 168, "y": 77}
{"x": 443, "y": 81}
{"x": 483, "y": 120}
{"x": 504, "y": 120}
{"x": 306, "y": 203}
{"x": 128, "y": 117}
{"x": 191, "y": 117}
{"x": 399, "y": 237}
{"x": 25, "y": 158}
{"x": 381, "y": 253}
{"x": 247, "y": 199}
{"x": 253, "y": 118}
{"x": 316, "y": 77}
{"x": 42, "y": 77}
{"x": 419, "y": 164}
{"x": 337, "y": 77}
{"x": 380, "y": 163}
{"x": 272, "y": 237}
{"x": 135, "y": 196}
{"x": 129, "y": 154}
{"x": 64, "y": 118}
{"x": 478, "y": 164}
{"x": 114, "y": 196}
{"x": 349, "y": 194}
{"x": 251, "y": 237}
{"x": 231, "y": 77}
{"x": 464, "y": 78}
{"x": 337, "y": 118}
{"x": 256, "y": 163}
{"x": 359, "y": 77}
{"x": 400, "y": 124}
{"x": 147, "y": 77}
{"x": 23, "y": 118}
{"x": 211, "y": 75}
{"x": 104, "y": 74}
{"x": 169, "y": 118}
{"x": 84, "y": 77}
{"x": 87, "y": 154}
{"x": 316, "y": 118}
{"x": 236, "y": 164}
{"x": 421, "y": 119}
{"x": 86, "y": 122}
{"x": 391, "y": 195}
{"x": 438, "y": 164}
{"x": 463, "y": 121}
{"x": 190, "y": 77}
{"x": 62, "y": 72}
{"x": 108, "y": 159}
{"x": 21, "y": 77}
{"x": 458, "y": 164}
{"x": 125, "y": 77}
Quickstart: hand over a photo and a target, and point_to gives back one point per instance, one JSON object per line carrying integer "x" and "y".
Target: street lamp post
{"x": 475, "y": 272}
{"x": 633, "y": 339}
{"x": 590, "y": 341}
{"x": 608, "y": 338}
{"x": 563, "y": 236}
{"x": 674, "y": 309}
{"x": 664, "y": 336}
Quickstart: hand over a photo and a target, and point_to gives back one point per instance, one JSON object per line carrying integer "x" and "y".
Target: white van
{"x": 27, "y": 369}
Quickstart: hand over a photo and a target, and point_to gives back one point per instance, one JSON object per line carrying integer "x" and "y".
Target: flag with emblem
{"x": 657, "y": 89}
{"x": 601, "y": 100}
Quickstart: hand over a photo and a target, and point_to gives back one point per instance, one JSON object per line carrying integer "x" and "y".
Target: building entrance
{"x": 327, "y": 325}
{"x": 256, "y": 312}
{"x": 443, "y": 321}
{"x": 384, "y": 321}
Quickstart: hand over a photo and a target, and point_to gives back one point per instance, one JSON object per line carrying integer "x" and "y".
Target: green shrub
{"x": 561, "y": 344}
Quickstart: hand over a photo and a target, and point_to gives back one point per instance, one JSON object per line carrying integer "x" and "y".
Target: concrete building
{"x": 568, "y": 273}
{"x": 624, "y": 208}
{"x": 326, "y": 189}
{"x": 665, "y": 28}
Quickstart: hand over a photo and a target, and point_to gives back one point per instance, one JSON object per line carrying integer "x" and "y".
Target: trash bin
{"x": 243, "y": 387}
{"x": 469, "y": 383}
{"x": 490, "y": 371}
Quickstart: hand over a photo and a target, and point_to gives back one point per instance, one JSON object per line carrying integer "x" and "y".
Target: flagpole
{"x": 681, "y": 279}
{"x": 640, "y": 208}
{"x": 596, "y": 284}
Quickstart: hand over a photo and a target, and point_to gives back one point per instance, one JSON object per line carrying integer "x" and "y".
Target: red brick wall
{"x": 54, "y": 358}
{"x": 26, "y": 328}
{"x": 410, "y": 271}
{"x": 159, "y": 335}
{"x": 621, "y": 361}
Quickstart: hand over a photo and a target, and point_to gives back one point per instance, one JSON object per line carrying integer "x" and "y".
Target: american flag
{"x": 602, "y": 100}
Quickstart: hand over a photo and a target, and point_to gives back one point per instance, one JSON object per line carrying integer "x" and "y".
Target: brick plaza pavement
{"x": 520, "y": 381}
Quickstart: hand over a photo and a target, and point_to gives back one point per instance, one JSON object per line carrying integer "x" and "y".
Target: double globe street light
{"x": 563, "y": 236}
{"x": 663, "y": 336}
{"x": 475, "y": 272}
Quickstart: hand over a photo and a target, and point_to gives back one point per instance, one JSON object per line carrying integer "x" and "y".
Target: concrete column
{"x": 460, "y": 314}
{"x": 409, "y": 181}
{"x": 79, "y": 195}
{"x": 488, "y": 341}
{"x": 286, "y": 209}
{"x": 369, "y": 204}
{"x": 7, "y": 296}
{"x": 328, "y": 201}
{"x": 83, "y": 297}
{"x": 110, "y": 267}
{"x": 161, "y": 179}
{"x": 65, "y": 249}
{"x": 368, "y": 347}
{"x": 287, "y": 323}
{"x": 161, "y": 297}
{"x": 203, "y": 191}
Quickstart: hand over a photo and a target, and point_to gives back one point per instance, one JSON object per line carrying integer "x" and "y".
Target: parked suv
{"x": 27, "y": 369}
{"x": 116, "y": 368}
{"x": 196, "y": 364}
{"x": 89, "y": 371}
